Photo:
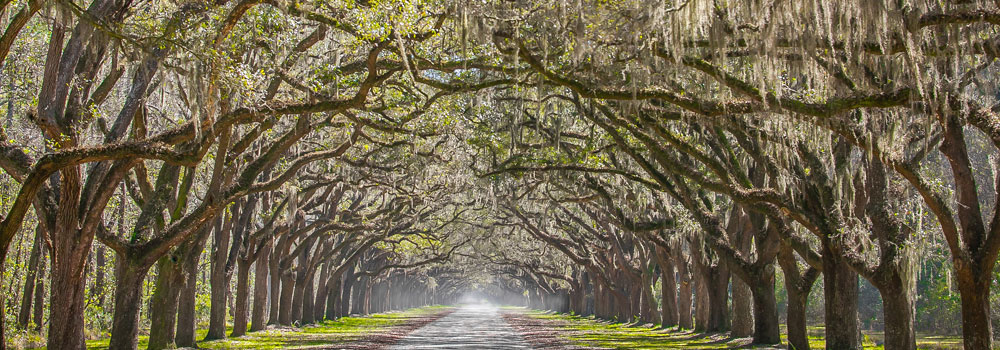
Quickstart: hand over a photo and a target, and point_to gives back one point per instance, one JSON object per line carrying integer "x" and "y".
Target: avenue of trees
{"x": 700, "y": 164}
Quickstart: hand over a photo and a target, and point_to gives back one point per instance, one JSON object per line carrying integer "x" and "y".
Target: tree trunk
{"x": 977, "y": 329}
{"x": 635, "y": 301}
{"x": 624, "y": 303}
{"x": 346, "y": 290}
{"x": 346, "y": 293}
{"x": 795, "y": 322}
{"x": 898, "y": 308}
{"x": 333, "y": 302}
{"x": 128, "y": 301}
{"x": 798, "y": 286}
{"x": 684, "y": 301}
{"x": 358, "y": 294}
{"x": 240, "y": 313}
{"x": 100, "y": 259}
{"x": 258, "y": 319}
{"x": 285, "y": 299}
{"x": 3, "y": 313}
{"x": 322, "y": 291}
{"x": 578, "y": 297}
{"x": 276, "y": 279}
{"x": 185, "y": 335}
{"x": 298, "y": 294}
{"x": 308, "y": 300}
{"x": 668, "y": 289}
{"x": 766, "y": 329}
{"x": 366, "y": 303}
{"x": 599, "y": 302}
{"x": 67, "y": 300}
{"x": 24, "y": 314}
{"x": 718, "y": 298}
{"x": 701, "y": 312}
{"x": 39, "y": 292}
{"x": 219, "y": 282}
{"x": 743, "y": 321}
{"x": 841, "y": 292}
{"x": 163, "y": 306}
{"x": 648, "y": 305}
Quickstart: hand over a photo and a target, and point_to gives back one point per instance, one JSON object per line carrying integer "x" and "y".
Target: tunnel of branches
{"x": 753, "y": 167}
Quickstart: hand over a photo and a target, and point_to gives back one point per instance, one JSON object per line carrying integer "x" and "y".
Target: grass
{"x": 344, "y": 330}
{"x": 587, "y": 331}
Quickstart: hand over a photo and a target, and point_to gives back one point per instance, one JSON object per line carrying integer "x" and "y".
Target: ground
{"x": 472, "y": 326}
{"x": 370, "y": 332}
{"x": 560, "y": 331}
{"x": 487, "y": 327}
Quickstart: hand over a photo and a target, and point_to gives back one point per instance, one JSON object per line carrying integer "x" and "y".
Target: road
{"x": 472, "y": 326}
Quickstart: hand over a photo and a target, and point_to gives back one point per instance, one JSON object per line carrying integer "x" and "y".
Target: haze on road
{"x": 472, "y": 326}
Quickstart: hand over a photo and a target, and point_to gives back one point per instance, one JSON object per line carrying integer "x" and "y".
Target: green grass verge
{"x": 344, "y": 330}
{"x": 587, "y": 331}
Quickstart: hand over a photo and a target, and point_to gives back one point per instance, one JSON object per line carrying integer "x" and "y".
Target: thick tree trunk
{"x": 276, "y": 279}
{"x": 578, "y": 297}
{"x": 599, "y": 309}
{"x": 684, "y": 301}
{"x": 347, "y": 291}
{"x": 973, "y": 278}
{"x": 623, "y": 304}
{"x": 24, "y": 314}
{"x": 358, "y": 295}
{"x": 185, "y": 335}
{"x": 798, "y": 337}
{"x": 648, "y": 306}
{"x": 322, "y": 289}
{"x": 298, "y": 296}
{"x": 366, "y": 299}
{"x": 258, "y": 319}
{"x": 898, "y": 308}
{"x": 128, "y": 301}
{"x": 977, "y": 329}
{"x": 163, "y": 306}
{"x": 608, "y": 303}
{"x": 841, "y": 292}
{"x": 240, "y": 313}
{"x": 587, "y": 290}
{"x": 718, "y": 298}
{"x": 743, "y": 321}
{"x": 635, "y": 301}
{"x": 701, "y": 301}
{"x": 798, "y": 286}
{"x": 766, "y": 329}
{"x": 285, "y": 299}
{"x": 668, "y": 289}
{"x": 67, "y": 299}
{"x": 308, "y": 300}
{"x": 333, "y": 302}
{"x": 219, "y": 282}
{"x": 604, "y": 306}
